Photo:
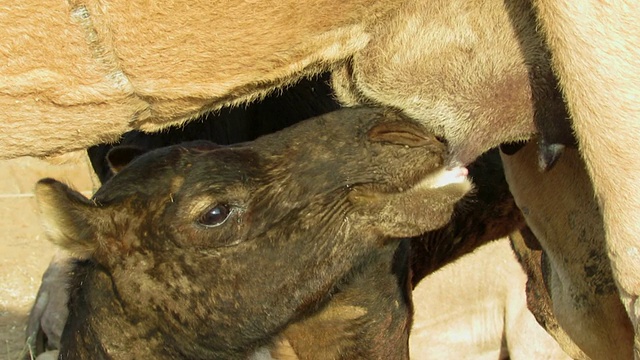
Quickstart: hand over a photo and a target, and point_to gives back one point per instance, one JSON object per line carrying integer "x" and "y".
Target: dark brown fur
{"x": 155, "y": 282}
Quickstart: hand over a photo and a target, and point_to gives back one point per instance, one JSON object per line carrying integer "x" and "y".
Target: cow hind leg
{"x": 596, "y": 54}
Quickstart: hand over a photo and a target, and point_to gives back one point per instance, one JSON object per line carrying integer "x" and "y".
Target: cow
{"x": 465, "y": 69}
{"x": 172, "y": 245}
{"x": 478, "y": 73}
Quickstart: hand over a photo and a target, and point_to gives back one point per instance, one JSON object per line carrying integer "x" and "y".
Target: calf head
{"x": 234, "y": 242}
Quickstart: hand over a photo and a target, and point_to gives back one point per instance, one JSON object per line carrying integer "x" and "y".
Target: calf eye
{"x": 215, "y": 216}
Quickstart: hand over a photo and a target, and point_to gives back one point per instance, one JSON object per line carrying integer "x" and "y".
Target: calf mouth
{"x": 444, "y": 179}
{"x": 445, "y": 176}
{"x": 408, "y": 133}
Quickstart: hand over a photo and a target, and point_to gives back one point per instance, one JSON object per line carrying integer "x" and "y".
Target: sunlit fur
{"x": 561, "y": 210}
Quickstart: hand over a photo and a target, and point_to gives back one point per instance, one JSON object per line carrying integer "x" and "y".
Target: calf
{"x": 170, "y": 260}
{"x": 308, "y": 98}
{"x": 488, "y": 213}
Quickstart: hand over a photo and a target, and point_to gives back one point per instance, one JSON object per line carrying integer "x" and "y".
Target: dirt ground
{"x": 24, "y": 250}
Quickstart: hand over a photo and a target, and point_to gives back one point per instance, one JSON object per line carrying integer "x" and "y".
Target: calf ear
{"x": 121, "y": 156}
{"x": 67, "y": 217}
